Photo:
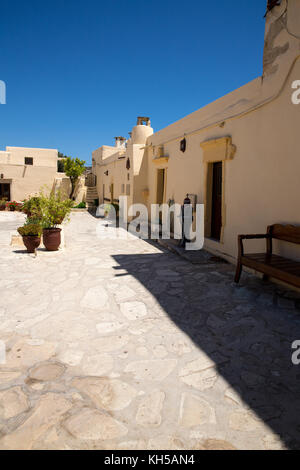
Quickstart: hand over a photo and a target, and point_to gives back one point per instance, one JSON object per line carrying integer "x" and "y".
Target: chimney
{"x": 120, "y": 142}
{"x": 143, "y": 121}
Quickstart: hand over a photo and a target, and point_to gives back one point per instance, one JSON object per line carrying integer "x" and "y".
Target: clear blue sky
{"x": 79, "y": 72}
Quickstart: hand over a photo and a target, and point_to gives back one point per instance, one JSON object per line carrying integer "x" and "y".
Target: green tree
{"x": 74, "y": 168}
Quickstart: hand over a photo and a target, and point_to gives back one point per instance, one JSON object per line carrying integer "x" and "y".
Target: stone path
{"x": 119, "y": 344}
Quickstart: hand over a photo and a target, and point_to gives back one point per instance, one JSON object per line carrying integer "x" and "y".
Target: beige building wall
{"x": 62, "y": 183}
{"x": 26, "y": 179}
{"x": 29, "y": 179}
{"x": 122, "y": 170}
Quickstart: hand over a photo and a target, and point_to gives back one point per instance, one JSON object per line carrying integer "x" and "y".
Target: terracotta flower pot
{"x": 52, "y": 238}
{"x": 32, "y": 242}
{"x": 12, "y": 208}
{"x": 2, "y": 208}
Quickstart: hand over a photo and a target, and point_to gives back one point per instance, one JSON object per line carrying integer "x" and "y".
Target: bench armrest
{"x": 266, "y": 236}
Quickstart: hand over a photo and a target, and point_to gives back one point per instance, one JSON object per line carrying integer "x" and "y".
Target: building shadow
{"x": 246, "y": 330}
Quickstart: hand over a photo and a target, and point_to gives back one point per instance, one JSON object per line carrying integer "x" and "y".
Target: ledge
{"x": 160, "y": 160}
{"x": 217, "y": 150}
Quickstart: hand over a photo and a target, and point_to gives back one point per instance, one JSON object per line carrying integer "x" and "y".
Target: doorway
{"x": 5, "y": 191}
{"x": 216, "y": 212}
{"x": 112, "y": 192}
{"x": 161, "y": 180}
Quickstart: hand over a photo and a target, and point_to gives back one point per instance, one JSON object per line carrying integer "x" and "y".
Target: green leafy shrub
{"x": 30, "y": 230}
{"x": 32, "y": 207}
{"x": 54, "y": 209}
{"x": 81, "y": 205}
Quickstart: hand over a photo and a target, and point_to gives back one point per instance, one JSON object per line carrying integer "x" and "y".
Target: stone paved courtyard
{"x": 119, "y": 344}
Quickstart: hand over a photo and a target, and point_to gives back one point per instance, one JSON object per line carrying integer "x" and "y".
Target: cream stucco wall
{"x": 130, "y": 182}
{"x": 26, "y": 180}
{"x": 62, "y": 183}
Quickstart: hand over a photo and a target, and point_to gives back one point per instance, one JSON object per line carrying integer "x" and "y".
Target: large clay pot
{"x": 32, "y": 242}
{"x": 51, "y": 238}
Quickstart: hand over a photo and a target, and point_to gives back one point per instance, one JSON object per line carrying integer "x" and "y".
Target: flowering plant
{"x": 13, "y": 205}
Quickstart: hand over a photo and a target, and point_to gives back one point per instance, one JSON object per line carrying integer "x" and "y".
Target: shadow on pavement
{"x": 245, "y": 329}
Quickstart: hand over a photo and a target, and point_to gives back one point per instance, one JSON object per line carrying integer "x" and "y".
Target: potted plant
{"x": 19, "y": 207}
{"x": 31, "y": 234}
{"x": 32, "y": 207}
{"x": 12, "y": 205}
{"x": 54, "y": 211}
{"x": 2, "y": 204}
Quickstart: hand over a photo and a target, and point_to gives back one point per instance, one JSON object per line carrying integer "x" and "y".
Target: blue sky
{"x": 79, "y": 72}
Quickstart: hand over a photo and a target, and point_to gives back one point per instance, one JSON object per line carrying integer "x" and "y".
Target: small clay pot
{"x": 52, "y": 238}
{"x": 12, "y": 208}
{"x": 32, "y": 242}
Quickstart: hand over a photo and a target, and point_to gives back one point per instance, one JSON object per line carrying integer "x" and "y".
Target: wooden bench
{"x": 267, "y": 263}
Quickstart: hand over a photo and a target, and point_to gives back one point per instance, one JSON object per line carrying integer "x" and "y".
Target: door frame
{"x": 215, "y": 196}
{"x": 164, "y": 193}
{"x": 8, "y": 182}
{"x": 208, "y": 185}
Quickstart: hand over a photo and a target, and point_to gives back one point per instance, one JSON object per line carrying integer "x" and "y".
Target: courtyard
{"x": 120, "y": 344}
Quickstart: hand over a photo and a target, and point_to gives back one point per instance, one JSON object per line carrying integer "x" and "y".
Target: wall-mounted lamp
{"x": 183, "y": 145}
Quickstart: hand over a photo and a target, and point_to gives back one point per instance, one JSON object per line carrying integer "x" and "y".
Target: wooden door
{"x": 160, "y": 186}
{"x": 216, "y": 215}
{"x": 112, "y": 192}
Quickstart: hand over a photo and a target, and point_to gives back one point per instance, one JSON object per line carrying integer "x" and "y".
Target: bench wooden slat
{"x": 274, "y": 260}
{"x": 271, "y": 265}
{"x": 288, "y": 272}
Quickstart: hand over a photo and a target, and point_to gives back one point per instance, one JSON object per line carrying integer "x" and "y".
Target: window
{"x": 127, "y": 189}
{"x": 123, "y": 188}
{"x": 28, "y": 161}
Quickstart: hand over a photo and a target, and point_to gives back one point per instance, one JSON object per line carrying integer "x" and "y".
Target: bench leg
{"x": 238, "y": 273}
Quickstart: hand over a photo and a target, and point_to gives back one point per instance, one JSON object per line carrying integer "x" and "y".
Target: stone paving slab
{"x": 120, "y": 344}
